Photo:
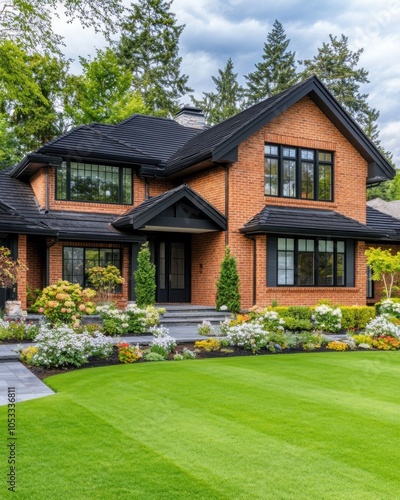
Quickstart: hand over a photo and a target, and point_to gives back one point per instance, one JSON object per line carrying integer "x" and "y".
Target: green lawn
{"x": 301, "y": 426}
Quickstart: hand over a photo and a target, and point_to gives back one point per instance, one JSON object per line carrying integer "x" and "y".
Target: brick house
{"x": 283, "y": 183}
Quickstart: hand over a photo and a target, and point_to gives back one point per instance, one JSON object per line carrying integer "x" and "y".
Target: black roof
{"x": 309, "y": 222}
{"x": 138, "y": 216}
{"x": 137, "y": 140}
{"x": 380, "y": 221}
{"x": 219, "y": 142}
{"x": 19, "y": 213}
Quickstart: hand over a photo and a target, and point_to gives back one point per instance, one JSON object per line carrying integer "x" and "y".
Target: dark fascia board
{"x": 178, "y": 195}
{"x": 118, "y": 238}
{"x": 362, "y": 236}
{"x": 10, "y": 228}
{"x": 313, "y": 88}
{"x": 35, "y": 160}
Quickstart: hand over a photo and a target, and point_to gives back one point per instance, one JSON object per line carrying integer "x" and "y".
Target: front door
{"x": 173, "y": 271}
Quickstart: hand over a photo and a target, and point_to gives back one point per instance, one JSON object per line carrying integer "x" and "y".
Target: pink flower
{"x": 40, "y": 310}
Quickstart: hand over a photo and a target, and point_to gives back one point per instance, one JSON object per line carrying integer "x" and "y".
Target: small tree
{"x": 385, "y": 266}
{"x": 9, "y": 268}
{"x": 228, "y": 284}
{"x": 105, "y": 280}
{"x": 145, "y": 278}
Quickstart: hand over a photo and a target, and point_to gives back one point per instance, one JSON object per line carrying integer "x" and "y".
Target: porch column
{"x": 22, "y": 278}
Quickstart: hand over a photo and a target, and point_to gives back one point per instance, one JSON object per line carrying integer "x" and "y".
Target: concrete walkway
{"x": 14, "y": 374}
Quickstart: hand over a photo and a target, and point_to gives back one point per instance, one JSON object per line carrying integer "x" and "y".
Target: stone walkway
{"x": 14, "y": 374}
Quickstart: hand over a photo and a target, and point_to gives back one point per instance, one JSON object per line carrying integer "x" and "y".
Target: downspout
{"x": 254, "y": 277}
{"x": 146, "y": 188}
{"x": 227, "y": 204}
{"x": 49, "y": 245}
{"x": 47, "y": 191}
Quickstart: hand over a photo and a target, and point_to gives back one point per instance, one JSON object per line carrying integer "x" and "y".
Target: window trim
{"x": 84, "y": 248}
{"x": 299, "y": 163}
{"x": 67, "y": 165}
{"x": 348, "y": 260}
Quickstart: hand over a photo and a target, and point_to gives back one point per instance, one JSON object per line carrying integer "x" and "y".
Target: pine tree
{"x": 276, "y": 72}
{"x": 149, "y": 47}
{"x": 145, "y": 278}
{"x": 228, "y": 284}
{"x": 226, "y": 101}
{"x": 336, "y": 65}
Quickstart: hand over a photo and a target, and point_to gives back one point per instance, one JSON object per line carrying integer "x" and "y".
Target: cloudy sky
{"x": 218, "y": 29}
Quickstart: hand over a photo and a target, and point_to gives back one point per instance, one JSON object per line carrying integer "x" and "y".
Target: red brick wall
{"x": 22, "y": 277}
{"x": 302, "y": 125}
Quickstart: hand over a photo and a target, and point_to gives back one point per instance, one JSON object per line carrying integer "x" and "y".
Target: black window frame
{"x": 121, "y": 178}
{"x": 317, "y": 169}
{"x": 84, "y": 281}
{"x": 296, "y": 251}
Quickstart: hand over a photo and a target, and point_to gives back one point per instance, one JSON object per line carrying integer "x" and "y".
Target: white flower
{"x": 223, "y": 308}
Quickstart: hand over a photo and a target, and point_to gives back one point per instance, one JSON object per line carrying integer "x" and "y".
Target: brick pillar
{"x": 22, "y": 278}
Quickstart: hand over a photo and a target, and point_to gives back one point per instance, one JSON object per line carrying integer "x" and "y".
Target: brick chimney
{"x": 189, "y": 116}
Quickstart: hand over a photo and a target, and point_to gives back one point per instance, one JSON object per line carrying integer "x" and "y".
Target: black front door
{"x": 173, "y": 270}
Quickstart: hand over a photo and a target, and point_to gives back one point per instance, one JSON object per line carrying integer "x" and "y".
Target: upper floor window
{"x": 95, "y": 183}
{"x": 294, "y": 172}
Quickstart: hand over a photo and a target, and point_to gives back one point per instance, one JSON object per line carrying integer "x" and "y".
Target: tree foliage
{"x": 145, "y": 278}
{"x": 105, "y": 281}
{"x": 226, "y": 101}
{"x": 385, "y": 266}
{"x": 149, "y": 47}
{"x": 228, "y": 284}
{"x": 102, "y": 93}
{"x": 337, "y": 66}
{"x": 29, "y": 22}
{"x": 32, "y": 92}
{"x": 9, "y": 268}
{"x": 277, "y": 70}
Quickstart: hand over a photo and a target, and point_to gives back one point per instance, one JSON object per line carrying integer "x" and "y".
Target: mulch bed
{"x": 43, "y": 373}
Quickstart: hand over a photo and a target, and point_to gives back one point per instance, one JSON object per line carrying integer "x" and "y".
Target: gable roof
{"x": 153, "y": 211}
{"x": 218, "y": 143}
{"x": 310, "y": 222}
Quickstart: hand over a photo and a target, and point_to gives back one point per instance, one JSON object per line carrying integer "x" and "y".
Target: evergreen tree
{"x": 226, "y": 101}
{"x": 149, "y": 47}
{"x": 145, "y": 278}
{"x": 276, "y": 72}
{"x": 228, "y": 284}
{"x": 102, "y": 93}
{"x": 336, "y": 65}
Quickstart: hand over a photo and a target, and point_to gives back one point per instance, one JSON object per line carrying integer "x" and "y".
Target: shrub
{"x": 153, "y": 315}
{"x": 188, "y": 354}
{"x": 132, "y": 320}
{"x": 295, "y": 324}
{"x": 153, "y": 356}
{"x": 178, "y": 357}
{"x": 310, "y": 341}
{"x": 362, "y": 339}
{"x": 300, "y": 312}
{"x": 204, "y": 328}
{"x": 271, "y": 321}
{"x": 248, "y": 336}
{"x": 27, "y": 354}
{"x": 65, "y": 303}
{"x": 283, "y": 311}
{"x": 228, "y": 284}
{"x": 363, "y": 315}
{"x": 381, "y": 327}
{"x": 386, "y": 343}
{"x": 18, "y": 330}
{"x": 327, "y": 319}
{"x": 348, "y": 318}
{"x": 390, "y": 307}
{"x": 105, "y": 280}
{"x": 145, "y": 278}
{"x": 208, "y": 345}
{"x": 162, "y": 342}
{"x": 61, "y": 346}
{"x": 128, "y": 353}
{"x": 337, "y": 345}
